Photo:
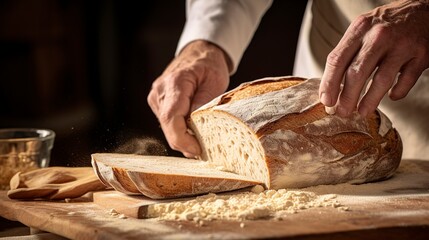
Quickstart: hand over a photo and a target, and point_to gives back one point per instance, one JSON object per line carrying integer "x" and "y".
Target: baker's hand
{"x": 390, "y": 40}
{"x": 197, "y": 75}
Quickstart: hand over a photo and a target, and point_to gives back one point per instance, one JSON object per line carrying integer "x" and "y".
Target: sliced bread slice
{"x": 160, "y": 177}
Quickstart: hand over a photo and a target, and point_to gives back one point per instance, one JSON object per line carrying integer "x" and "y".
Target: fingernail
{"x": 330, "y": 110}
{"x": 325, "y": 99}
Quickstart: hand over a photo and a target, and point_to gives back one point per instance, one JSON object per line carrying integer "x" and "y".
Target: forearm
{"x": 227, "y": 24}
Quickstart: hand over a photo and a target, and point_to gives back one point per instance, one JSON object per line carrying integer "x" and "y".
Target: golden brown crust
{"x": 160, "y": 186}
{"x": 295, "y": 120}
{"x": 99, "y": 175}
{"x": 347, "y": 143}
{"x": 122, "y": 177}
{"x": 251, "y": 89}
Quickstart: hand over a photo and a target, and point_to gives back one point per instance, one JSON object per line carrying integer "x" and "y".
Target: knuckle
{"x": 165, "y": 116}
{"x": 355, "y": 73}
{"x": 150, "y": 100}
{"x": 382, "y": 33}
{"x": 362, "y": 23}
{"x": 174, "y": 76}
{"x": 327, "y": 84}
{"x": 334, "y": 59}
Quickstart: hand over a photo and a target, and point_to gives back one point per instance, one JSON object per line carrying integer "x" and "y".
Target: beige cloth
{"x": 54, "y": 183}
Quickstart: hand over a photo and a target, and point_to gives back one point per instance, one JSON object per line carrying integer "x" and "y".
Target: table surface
{"x": 400, "y": 209}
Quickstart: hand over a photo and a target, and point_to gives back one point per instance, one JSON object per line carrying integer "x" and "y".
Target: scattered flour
{"x": 242, "y": 206}
{"x": 410, "y": 179}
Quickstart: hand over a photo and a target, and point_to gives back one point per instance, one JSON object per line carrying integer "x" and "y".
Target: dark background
{"x": 84, "y": 68}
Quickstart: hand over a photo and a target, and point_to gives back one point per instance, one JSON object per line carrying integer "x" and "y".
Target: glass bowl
{"x": 23, "y": 149}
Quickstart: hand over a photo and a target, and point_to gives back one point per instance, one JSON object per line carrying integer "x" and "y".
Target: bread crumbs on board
{"x": 253, "y": 205}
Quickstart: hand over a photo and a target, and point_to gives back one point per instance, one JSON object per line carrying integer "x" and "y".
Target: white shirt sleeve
{"x": 230, "y": 24}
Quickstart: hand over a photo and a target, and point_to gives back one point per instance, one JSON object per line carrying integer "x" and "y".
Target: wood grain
{"x": 131, "y": 206}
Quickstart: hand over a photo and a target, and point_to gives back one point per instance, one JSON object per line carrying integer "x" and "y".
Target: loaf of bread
{"x": 276, "y": 131}
{"x": 272, "y": 131}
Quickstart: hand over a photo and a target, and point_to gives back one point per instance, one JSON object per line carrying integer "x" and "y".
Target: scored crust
{"x": 286, "y": 139}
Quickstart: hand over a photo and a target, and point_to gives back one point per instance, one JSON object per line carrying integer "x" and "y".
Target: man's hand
{"x": 392, "y": 42}
{"x": 199, "y": 74}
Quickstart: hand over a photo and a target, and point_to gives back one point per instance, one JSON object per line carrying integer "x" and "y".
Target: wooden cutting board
{"x": 136, "y": 206}
{"x": 392, "y": 209}
{"x": 131, "y": 206}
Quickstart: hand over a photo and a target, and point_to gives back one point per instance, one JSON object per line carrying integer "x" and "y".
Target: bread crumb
{"x": 67, "y": 200}
{"x": 242, "y": 225}
{"x": 71, "y": 213}
{"x": 113, "y": 212}
{"x": 201, "y": 223}
{"x": 122, "y": 216}
{"x": 336, "y": 204}
{"x": 257, "y": 189}
{"x": 342, "y": 208}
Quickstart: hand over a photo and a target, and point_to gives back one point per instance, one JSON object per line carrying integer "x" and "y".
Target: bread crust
{"x": 162, "y": 186}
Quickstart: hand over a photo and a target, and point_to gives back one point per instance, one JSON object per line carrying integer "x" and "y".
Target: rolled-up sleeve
{"x": 230, "y": 24}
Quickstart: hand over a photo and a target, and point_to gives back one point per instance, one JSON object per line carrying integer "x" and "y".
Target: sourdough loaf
{"x": 275, "y": 131}
{"x": 272, "y": 131}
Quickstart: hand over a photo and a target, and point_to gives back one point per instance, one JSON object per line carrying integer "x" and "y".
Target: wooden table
{"x": 402, "y": 212}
